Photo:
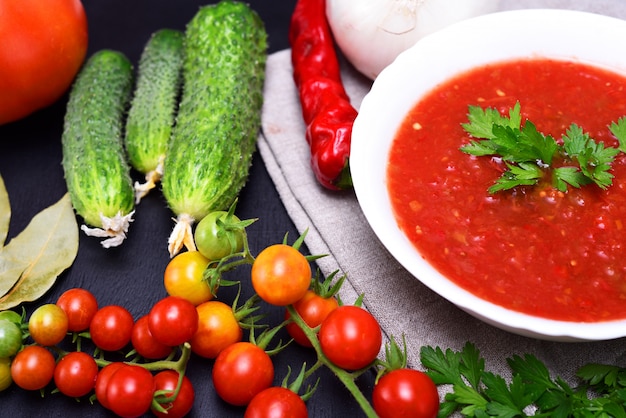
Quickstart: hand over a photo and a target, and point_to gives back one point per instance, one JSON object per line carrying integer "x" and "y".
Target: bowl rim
{"x": 425, "y": 66}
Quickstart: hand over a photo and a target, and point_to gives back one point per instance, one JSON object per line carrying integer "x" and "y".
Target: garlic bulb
{"x": 371, "y": 33}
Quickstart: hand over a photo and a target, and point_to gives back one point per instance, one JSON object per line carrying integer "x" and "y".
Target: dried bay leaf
{"x": 5, "y": 212}
{"x": 31, "y": 262}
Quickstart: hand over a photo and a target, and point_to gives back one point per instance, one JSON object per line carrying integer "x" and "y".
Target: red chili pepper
{"x": 326, "y": 107}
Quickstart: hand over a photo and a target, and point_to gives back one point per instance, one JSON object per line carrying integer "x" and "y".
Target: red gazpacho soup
{"x": 533, "y": 249}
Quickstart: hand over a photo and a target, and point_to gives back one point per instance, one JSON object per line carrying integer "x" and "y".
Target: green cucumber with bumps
{"x": 153, "y": 107}
{"x": 96, "y": 171}
{"x": 219, "y": 115}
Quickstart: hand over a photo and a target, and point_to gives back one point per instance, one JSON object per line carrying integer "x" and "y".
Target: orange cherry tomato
{"x": 281, "y": 275}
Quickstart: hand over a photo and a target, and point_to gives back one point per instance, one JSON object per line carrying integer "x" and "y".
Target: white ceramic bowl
{"x": 562, "y": 34}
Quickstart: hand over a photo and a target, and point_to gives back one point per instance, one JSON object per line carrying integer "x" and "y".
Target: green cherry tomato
{"x": 215, "y": 236}
{"x": 48, "y": 324}
{"x": 10, "y": 338}
{"x": 11, "y": 316}
{"x": 5, "y": 373}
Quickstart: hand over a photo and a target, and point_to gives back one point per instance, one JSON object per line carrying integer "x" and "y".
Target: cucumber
{"x": 153, "y": 106}
{"x": 219, "y": 115}
{"x": 94, "y": 164}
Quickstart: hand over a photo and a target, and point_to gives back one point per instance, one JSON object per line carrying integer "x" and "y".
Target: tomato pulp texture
{"x": 531, "y": 249}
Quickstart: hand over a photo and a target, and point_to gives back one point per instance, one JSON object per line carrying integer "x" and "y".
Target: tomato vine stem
{"x": 347, "y": 378}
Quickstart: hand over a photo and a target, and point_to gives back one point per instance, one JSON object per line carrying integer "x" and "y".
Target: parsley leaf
{"x": 619, "y": 130}
{"x": 528, "y": 153}
{"x": 479, "y": 393}
{"x": 523, "y": 174}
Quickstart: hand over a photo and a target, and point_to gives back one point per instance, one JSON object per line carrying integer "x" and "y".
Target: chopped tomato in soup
{"x": 532, "y": 249}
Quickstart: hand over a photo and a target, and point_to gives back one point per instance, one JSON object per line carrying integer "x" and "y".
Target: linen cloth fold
{"x": 337, "y": 227}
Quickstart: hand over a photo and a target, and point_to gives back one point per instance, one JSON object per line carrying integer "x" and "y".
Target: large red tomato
{"x": 43, "y": 46}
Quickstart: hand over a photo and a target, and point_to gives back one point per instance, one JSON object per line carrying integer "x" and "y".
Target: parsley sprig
{"x": 529, "y": 154}
{"x": 531, "y": 391}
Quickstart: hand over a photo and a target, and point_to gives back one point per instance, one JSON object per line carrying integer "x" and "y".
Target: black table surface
{"x": 132, "y": 274}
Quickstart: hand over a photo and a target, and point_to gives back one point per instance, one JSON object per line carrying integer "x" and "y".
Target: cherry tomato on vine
{"x": 129, "y": 391}
{"x": 241, "y": 371}
{"x": 43, "y": 47}
{"x": 405, "y": 393}
{"x": 75, "y": 374}
{"x": 281, "y": 275}
{"x": 11, "y": 316}
{"x": 48, "y": 325}
{"x": 313, "y": 309}
{"x": 144, "y": 342}
{"x": 111, "y": 327}
{"x": 173, "y": 320}
{"x": 182, "y": 404}
{"x": 5, "y": 373}
{"x": 80, "y": 305}
{"x": 33, "y": 367}
{"x": 217, "y": 329}
{"x": 10, "y": 338}
{"x": 216, "y": 241}
{"x": 276, "y": 402}
{"x": 350, "y": 337}
{"x": 184, "y": 277}
{"x": 102, "y": 381}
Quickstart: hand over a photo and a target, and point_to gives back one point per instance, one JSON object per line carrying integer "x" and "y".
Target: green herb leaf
{"x": 31, "y": 262}
{"x": 481, "y": 121}
{"x": 602, "y": 392}
{"x": 619, "y": 130}
{"x": 569, "y": 175}
{"x": 528, "y": 153}
{"x": 524, "y": 174}
{"x": 444, "y": 368}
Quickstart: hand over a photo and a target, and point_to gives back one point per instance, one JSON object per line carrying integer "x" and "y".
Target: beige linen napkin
{"x": 337, "y": 227}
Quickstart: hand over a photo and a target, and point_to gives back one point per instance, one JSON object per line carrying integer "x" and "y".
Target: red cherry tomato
{"x": 80, "y": 305}
{"x": 102, "y": 381}
{"x": 276, "y": 402}
{"x": 111, "y": 327}
{"x": 241, "y": 371}
{"x": 350, "y": 337}
{"x": 313, "y": 309}
{"x": 173, "y": 320}
{"x": 281, "y": 275}
{"x": 33, "y": 367}
{"x": 217, "y": 329}
{"x": 144, "y": 342}
{"x": 43, "y": 47}
{"x": 182, "y": 404}
{"x": 405, "y": 393}
{"x": 75, "y": 374}
{"x": 130, "y": 390}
